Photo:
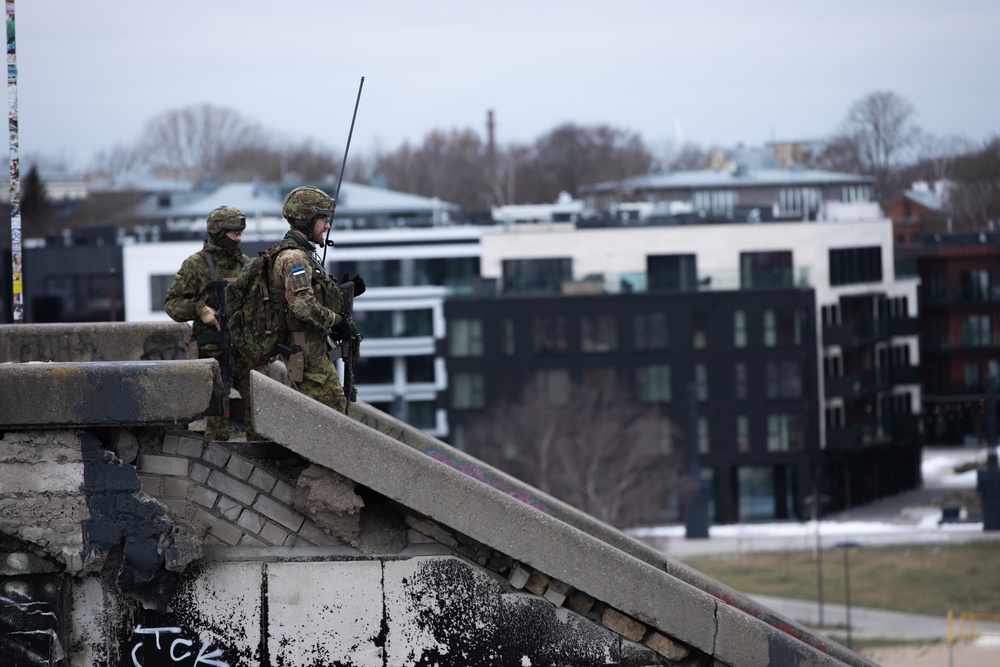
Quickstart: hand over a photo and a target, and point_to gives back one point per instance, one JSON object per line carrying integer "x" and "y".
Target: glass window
{"x": 756, "y": 489}
{"x": 465, "y": 337}
{"x": 375, "y": 370}
{"x": 375, "y": 323}
{"x": 742, "y": 434}
{"x": 158, "y": 286}
{"x": 418, "y": 322}
{"x": 671, "y": 272}
{"x": 784, "y": 433}
{"x": 699, "y": 333}
{"x": 855, "y": 265}
{"x": 739, "y": 328}
{"x": 783, "y": 379}
{"x": 704, "y": 442}
{"x": 598, "y": 333}
{"x": 376, "y": 272}
{"x": 420, "y": 369}
{"x": 549, "y": 334}
{"x": 650, "y": 331}
{"x": 740, "y": 380}
{"x": 553, "y": 385}
{"x": 770, "y": 329}
{"x": 701, "y": 382}
{"x": 970, "y": 374}
{"x": 468, "y": 391}
{"x": 653, "y": 383}
{"x": 421, "y": 414}
{"x": 976, "y": 331}
{"x": 766, "y": 269}
{"x": 536, "y": 275}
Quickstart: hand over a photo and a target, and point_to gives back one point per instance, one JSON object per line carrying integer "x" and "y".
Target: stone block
{"x": 152, "y": 464}
{"x": 518, "y": 576}
{"x": 263, "y": 480}
{"x": 239, "y": 468}
{"x": 233, "y": 488}
{"x": 275, "y": 511}
{"x": 618, "y": 622}
{"x": 666, "y": 647}
{"x": 537, "y": 583}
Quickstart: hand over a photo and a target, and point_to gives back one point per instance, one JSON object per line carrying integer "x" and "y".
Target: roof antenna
{"x": 340, "y": 179}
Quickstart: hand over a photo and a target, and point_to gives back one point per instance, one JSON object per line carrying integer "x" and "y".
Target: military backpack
{"x": 257, "y": 317}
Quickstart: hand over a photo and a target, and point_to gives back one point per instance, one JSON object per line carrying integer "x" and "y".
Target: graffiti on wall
{"x": 30, "y": 610}
{"x": 170, "y": 645}
{"x": 485, "y": 475}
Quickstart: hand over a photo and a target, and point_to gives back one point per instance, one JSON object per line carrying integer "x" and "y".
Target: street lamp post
{"x": 847, "y": 587}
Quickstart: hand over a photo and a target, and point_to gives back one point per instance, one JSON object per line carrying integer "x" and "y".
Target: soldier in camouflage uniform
{"x": 190, "y": 299}
{"x": 314, "y": 302}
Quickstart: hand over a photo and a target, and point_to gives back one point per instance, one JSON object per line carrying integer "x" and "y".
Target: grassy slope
{"x": 924, "y": 579}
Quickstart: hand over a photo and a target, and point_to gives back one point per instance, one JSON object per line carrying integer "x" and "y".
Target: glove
{"x": 341, "y": 330}
{"x": 208, "y": 315}
{"x": 359, "y": 283}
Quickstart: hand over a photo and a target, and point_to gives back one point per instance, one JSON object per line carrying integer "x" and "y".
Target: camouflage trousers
{"x": 218, "y": 427}
{"x": 321, "y": 381}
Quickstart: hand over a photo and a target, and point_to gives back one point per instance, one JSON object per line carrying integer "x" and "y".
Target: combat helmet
{"x": 304, "y": 204}
{"x": 226, "y": 219}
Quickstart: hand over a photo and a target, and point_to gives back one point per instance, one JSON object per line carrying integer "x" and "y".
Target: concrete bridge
{"x": 127, "y": 539}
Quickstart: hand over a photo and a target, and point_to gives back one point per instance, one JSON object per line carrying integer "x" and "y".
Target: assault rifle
{"x": 350, "y": 346}
{"x": 223, "y": 338}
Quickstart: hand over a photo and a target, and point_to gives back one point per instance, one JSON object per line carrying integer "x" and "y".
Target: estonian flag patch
{"x": 298, "y": 270}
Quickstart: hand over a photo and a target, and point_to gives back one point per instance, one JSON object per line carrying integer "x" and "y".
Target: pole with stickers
{"x": 15, "y": 173}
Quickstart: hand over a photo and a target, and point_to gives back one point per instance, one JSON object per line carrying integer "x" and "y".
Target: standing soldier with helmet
{"x": 194, "y": 297}
{"x": 313, "y": 301}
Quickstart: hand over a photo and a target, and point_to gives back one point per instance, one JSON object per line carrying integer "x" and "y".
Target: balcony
{"x": 904, "y": 375}
{"x": 854, "y": 437}
{"x": 986, "y": 342}
{"x": 904, "y": 326}
{"x": 855, "y": 334}
{"x": 959, "y": 296}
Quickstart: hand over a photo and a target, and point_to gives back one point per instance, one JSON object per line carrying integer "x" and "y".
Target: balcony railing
{"x": 985, "y": 341}
{"x": 856, "y": 333}
{"x": 947, "y": 296}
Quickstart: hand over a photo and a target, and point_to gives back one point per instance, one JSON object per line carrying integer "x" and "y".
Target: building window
{"x": 835, "y": 417}
{"x": 756, "y": 492}
{"x": 536, "y": 275}
{"x": 701, "y": 382}
{"x": 855, "y": 193}
{"x": 420, "y": 322}
{"x": 421, "y": 414}
{"x": 158, "y": 286}
{"x": 799, "y": 201}
{"x": 468, "y": 391}
{"x": 420, "y": 368}
{"x": 742, "y": 434}
{"x": 716, "y": 202}
{"x": 598, "y": 333}
{"x": 766, "y": 269}
{"x": 377, "y": 272}
{"x": 970, "y": 375}
{"x": 671, "y": 272}
{"x": 739, "y": 328}
{"x": 653, "y": 383}
{"x": 549, "y": 334}
{"x": 975, "y": 285}
{"x": 976, "y": 331}
{"x": 740, "y": 380}
{"x": 699, "y": 333}
{"x": 649, "y": 331}
{"x": 376, "y": 370}
{"x": 784, "y": 433}
{"x": 375, "y": 323}
{"x": 465, "y": 337}
{"x": 783, "y": 379}
{"x": 704, "y": 442}
{"x": 770, "y": 329}
{"x": 849, "y": 266}
{"x": 553, "y": 386}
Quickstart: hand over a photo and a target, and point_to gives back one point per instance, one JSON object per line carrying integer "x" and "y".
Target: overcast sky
{"x": 92, "y": 73}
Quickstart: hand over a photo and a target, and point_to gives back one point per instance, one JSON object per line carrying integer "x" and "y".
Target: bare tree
{"x": 878, "y": 130}
{"x": 571, "y": 155}
{"x": 974, "y": 199}
{"x": 194, "y": 139}
{"x": 596, "y": 451}
{"x": 449, "y": 165}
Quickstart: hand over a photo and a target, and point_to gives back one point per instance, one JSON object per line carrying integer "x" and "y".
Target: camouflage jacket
{"x": 192, "y": 284}
{"x": 314, "y": 302}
